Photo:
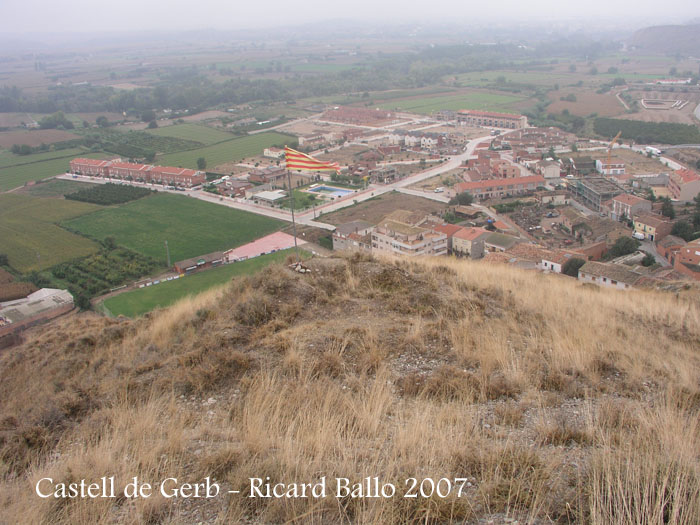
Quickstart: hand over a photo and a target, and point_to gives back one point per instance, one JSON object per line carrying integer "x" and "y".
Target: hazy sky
{"x": 17, "y": 16}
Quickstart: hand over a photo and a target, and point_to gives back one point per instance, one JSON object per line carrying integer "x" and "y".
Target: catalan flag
{"x": 296, "y": 160}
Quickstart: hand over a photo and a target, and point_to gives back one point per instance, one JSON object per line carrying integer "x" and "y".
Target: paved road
{"x": 440, "y": 197}
{"x": 650, "y": 247}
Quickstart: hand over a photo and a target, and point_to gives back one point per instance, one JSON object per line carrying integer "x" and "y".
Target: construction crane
{"x": 610, "y": 148}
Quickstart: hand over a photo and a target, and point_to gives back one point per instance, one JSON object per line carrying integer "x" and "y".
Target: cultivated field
{"x": 55, "y": 188}
{"x": 233, "y": 150}
{"x": 587, "y": 102}
{"x": 191, "y": 227}
{"x": 15, "y": 176}
{"x": 29, "y": 234}
{"x": 10, "y": 159}
{"x": 472, "y": 100}
{"x": 373, "y": 210}
{"x": 686, "y": 115}
{"x": 141, "y": 300}
{"x": 34, "y": 137}
{"x": 195, "y": 132}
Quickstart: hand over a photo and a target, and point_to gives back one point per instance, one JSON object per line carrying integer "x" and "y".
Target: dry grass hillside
{"x": 559, "y": 403}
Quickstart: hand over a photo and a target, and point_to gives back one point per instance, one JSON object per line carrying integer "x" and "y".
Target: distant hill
{"x": 684, "y": 39}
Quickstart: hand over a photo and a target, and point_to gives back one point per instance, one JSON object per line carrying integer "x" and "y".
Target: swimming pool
{"x": 330, "y": 190}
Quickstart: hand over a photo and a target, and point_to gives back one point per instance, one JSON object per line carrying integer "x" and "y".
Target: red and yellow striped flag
{"x": 296, "y": 160}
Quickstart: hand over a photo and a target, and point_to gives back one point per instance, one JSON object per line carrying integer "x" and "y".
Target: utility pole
{"x": 167, "y": 251}
{"x": 294, "y": 224}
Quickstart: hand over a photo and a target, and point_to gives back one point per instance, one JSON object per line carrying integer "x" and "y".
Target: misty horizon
{"x": 32, "y": 18}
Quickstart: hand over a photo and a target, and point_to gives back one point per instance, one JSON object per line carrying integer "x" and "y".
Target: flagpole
{"x": 294, "y": 224}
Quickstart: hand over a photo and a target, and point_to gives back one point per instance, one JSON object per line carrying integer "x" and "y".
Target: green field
{"x": 231, "y": 151}
{"x": 484, "y": 101}
{"x": 57, "y": 188}
{"x": 10, "y": 159}
{"x": 142, "y": 300}
{"x": 195, "y": 132}
{"x": 15, "y": 176}
{"x": 191, "y": 227}
{"x": 30, "y": 237}
{"x": 536, "y": 78}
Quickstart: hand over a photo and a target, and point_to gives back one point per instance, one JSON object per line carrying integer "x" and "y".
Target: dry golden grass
{"x": 559, "y": 403}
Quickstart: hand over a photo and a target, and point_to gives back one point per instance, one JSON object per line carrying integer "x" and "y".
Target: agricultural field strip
{"x": 141, "y": 300}
{"x": 30, "y": 237}
{"x": 9, "y": 160}
{"x": 227, "y": 151}
{"x": 192, "y": 227}
{"x": 16, "y": 176}
{"x": 482, "y": 101}
{"x": 194, "y": 132}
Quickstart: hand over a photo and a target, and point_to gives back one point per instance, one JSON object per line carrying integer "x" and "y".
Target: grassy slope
{"x": 30, "y": 237}
{"x": 191, "y": 227}
{"x": 559, "y": 402}
{"x": 233, "y": 150}
{"x": 142, "y": 300}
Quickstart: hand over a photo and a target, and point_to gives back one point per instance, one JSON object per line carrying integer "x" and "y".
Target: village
{"x": 503, "y": 192}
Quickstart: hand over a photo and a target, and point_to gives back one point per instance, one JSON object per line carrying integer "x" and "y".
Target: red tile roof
{"x": 448, "y": 229}
{"x": 91, "y": 162}
{"x": 626, "y": 198}
{"x": 168, "y": 170}
{"x": 470, "y": 234}
{"x": 493, "y": 183}
{"x": 687, "y": 175}
{"x": 492, "y": 114}
{"x": 131, "y": 166}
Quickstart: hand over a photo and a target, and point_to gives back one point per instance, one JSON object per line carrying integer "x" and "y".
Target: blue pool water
{"x": 337, "y": 192}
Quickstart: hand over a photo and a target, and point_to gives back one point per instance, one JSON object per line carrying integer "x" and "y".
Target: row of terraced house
{"x": 118, "y": 169}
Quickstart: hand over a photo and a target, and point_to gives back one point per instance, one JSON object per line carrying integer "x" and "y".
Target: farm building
{"x": 38, "y": 307}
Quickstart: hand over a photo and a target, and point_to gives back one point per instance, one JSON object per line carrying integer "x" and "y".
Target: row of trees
{"x": 108, "y": 194}
{"x": 648, "y": 132}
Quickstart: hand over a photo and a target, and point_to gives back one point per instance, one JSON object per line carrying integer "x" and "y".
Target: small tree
{"x": 572, "y": 266}
{"x": 148, "y": 116}
{"x": 667, "y": 209}
{"x": 102, "y": 121}
{"x": 622, "y": 246}
{"x": 684, "y": 230}
{"x": 201, "y": 163}
{"x": 152, "y": 124}
{"x": 465, "y": 199}
{"x": 4, "y": 260}
{"x": 648, "y": 260}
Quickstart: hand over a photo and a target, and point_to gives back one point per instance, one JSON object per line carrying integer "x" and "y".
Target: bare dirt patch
{"x": 13, "y": 120}
{"x": 660, "y": 112}
{"x": 374, "y": 210}
{"x": 34, "y": 137}
{"x": 587, "y": 102}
